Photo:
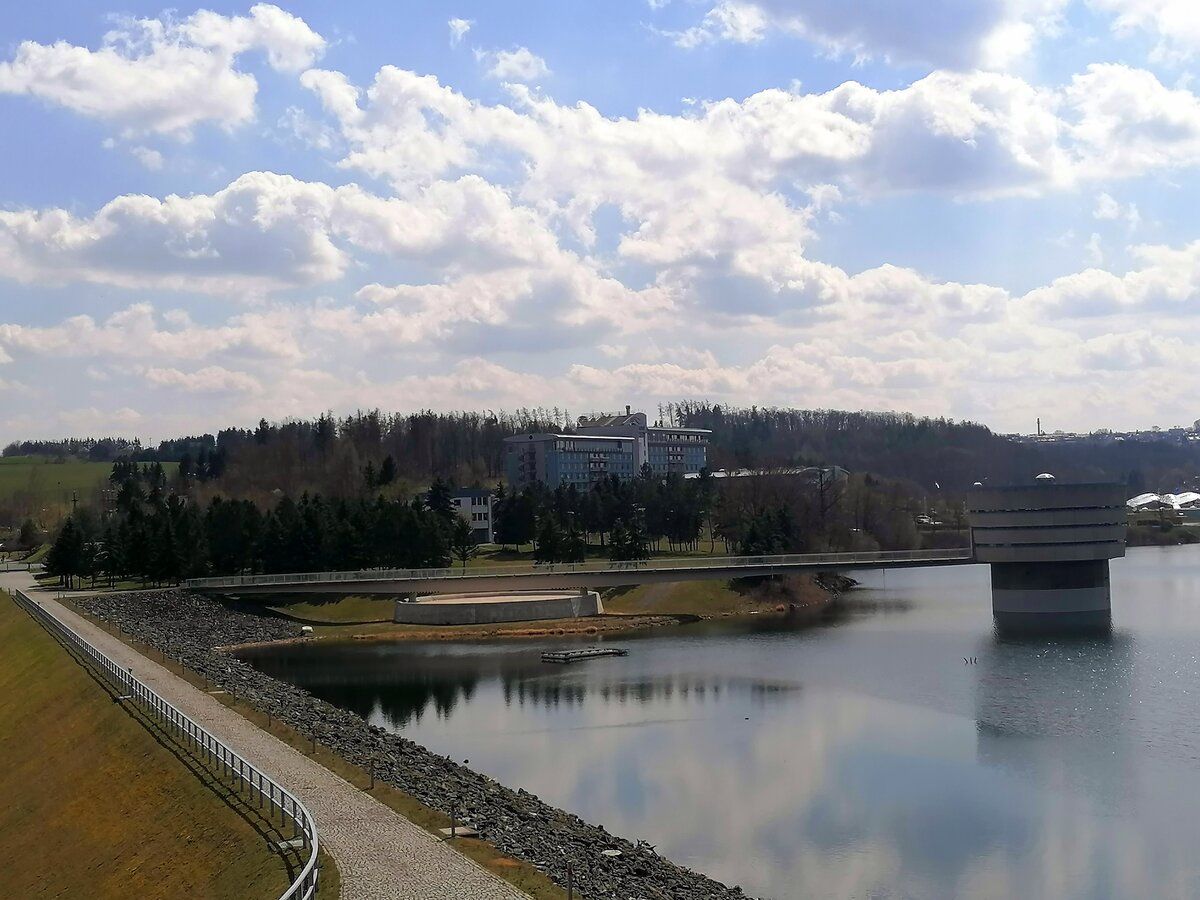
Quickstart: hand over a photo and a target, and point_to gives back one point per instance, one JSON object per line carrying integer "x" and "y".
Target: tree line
{"x": 329, "y": 454}
{"x": 155, "y": 532}
{"x": 155, "y": 535}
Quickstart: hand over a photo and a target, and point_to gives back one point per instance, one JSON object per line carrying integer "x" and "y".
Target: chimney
{"x": 626, "y": 409}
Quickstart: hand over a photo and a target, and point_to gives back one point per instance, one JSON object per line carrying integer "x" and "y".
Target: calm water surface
{"x": 859, "y": 759}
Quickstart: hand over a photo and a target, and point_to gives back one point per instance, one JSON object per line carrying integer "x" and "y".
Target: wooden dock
{"x": 570, "y": 656}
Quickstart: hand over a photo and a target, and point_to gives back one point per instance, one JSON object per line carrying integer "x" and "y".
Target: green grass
{"x": 99, "y": 803}
{"x": 698, "y": 598}
{"x": 334, "y": 610}
{"x": 40, "y": 488}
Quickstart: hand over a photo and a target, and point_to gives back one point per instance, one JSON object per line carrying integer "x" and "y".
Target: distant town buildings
{"x": 474, "y": 506}
{"x": 602, "y": 446}
{"x": 1176, "y": 435}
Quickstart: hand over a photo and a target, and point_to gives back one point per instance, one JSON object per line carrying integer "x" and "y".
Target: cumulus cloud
{"x": 458, "y": 30}
{"x": 163, "y": 76}
{"x": 513, "y": 65}
{"x": 148, "y": 157}
{"x": 1107, "y": 209}
{"x": 267, "y": 231}
{"x": 1173, "y": 22}
{"x": 967, "y": 134}
{"x": 1124, "y": 122}
{"x": 943, "y": 33}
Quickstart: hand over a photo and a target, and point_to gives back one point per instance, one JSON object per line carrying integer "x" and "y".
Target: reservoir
{"x": 899, "y": 749}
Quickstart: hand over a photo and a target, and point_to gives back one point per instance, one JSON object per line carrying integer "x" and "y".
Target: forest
{"x": 155, "y": 532}
{"x": 328, "y": 454}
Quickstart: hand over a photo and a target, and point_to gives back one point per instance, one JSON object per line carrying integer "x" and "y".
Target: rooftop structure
{"x": 1185, "y": 500}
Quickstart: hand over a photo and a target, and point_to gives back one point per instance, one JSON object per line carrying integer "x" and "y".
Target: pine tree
{"x": 387, "y": 472}
{"x": 462, "y": 541}
{"x": 439, "y": 500}
{"x": 66, "y": 558}
{"x": 550, "y": 544}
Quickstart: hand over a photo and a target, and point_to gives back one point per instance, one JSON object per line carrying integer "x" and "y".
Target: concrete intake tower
{"x": 1048, "y": 545}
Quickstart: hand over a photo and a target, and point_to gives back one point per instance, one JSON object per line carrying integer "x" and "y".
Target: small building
{"x": 474, "y": 506}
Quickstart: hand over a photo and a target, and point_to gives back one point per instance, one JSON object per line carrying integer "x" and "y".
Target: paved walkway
{"x": 380, "y": 854}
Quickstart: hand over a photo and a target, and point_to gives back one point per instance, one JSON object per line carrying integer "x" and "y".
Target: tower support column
{"x": 1048, "y": 545}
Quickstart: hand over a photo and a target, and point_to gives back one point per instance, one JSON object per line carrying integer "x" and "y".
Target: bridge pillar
{"x": 1048, "y": 545}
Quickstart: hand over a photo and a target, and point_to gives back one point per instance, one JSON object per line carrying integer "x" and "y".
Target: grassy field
{"x": 39, "y": 488}
{"x": 350, "y": 610}
{"x": 97, "y": 804}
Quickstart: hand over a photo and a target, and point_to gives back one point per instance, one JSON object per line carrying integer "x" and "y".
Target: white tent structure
{"x": 1147, "y": 502}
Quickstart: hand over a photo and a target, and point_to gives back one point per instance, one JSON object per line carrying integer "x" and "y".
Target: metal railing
{"x": 240, "y": 772}
{"x": 670, "y": 564}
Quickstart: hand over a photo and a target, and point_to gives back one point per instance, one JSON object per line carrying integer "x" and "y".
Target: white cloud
{"x": 970, "y": 135}
{"x": 289, "y": 43}
{"x": 1125, "y": 122}
{"x": 1094, "y": 250}
{"x": 149, "y": 158}
{"x": 945, "y": 33}
{"x": 1174, "y": 22}
{"x": 162, "y": 76}
{"x": 513, "y": 65}
{"x": 1166, "y": 284}
{"x": 1106, "y": 207}
{"x": 209, "y": 380}
{"x": 266, "y": 231}
{"x": 458, "y": 30}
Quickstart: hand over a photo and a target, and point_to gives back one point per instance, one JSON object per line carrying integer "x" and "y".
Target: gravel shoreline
{"x": 190, "y": 627}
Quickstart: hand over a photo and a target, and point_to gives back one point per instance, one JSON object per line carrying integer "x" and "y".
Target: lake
{"x": 862, "y": 758}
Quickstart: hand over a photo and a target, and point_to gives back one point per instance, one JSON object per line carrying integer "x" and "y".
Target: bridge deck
{"x": 487, "y": 579}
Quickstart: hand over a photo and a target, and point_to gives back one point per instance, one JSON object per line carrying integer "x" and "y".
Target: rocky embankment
{"x": 191, "y": 627}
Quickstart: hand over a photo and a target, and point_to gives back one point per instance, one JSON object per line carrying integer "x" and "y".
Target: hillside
{"x": 40, "y": 488}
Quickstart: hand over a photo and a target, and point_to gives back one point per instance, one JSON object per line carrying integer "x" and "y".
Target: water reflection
{"x": 400, "y": 685}
{"x": 859, "y": 759}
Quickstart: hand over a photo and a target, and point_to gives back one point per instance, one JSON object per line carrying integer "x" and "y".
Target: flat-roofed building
{"x": 474, "y": 506}
{"x": 668, "y": 449}
{"x": 553, "y": 459}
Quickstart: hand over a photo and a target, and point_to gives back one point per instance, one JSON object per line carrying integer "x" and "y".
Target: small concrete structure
{"x": 491, "y": 609}
{"x": 1048, "y": 545}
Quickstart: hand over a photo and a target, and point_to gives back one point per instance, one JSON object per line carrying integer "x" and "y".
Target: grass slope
{"x": 94, "y": 806}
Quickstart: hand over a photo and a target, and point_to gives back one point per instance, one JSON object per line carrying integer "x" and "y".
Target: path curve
{"x": 380, "y": 854}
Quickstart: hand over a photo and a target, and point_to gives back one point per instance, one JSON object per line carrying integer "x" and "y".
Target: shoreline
{"x": 188, "y": 628}
{"x": 788, "y": 603}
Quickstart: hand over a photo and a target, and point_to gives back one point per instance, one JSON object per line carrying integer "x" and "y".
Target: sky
{"x": 977, "y": 209}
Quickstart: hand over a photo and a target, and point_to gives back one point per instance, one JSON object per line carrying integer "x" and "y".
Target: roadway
{"x": 572, "y": 576}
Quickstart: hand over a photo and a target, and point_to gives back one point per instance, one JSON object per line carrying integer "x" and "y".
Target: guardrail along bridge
{"x": 490, "y": 579}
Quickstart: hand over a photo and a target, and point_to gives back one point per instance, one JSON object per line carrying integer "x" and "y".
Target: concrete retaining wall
{"x": 466, "y": 611}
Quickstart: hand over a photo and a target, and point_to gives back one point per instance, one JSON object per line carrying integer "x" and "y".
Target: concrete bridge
{"x": 1048, "y": 546}
{"x": 554, "y": 576}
